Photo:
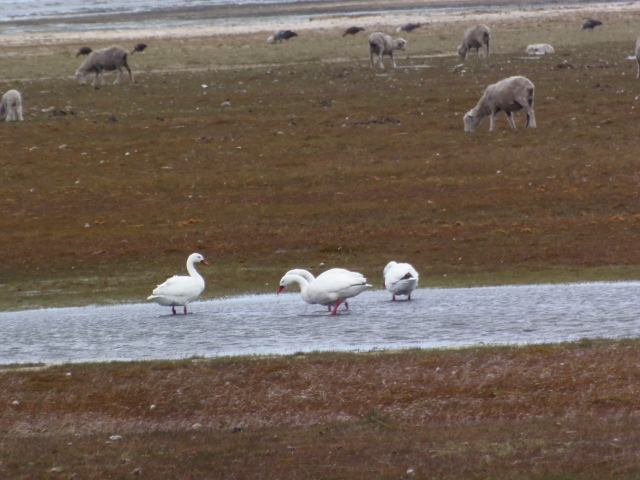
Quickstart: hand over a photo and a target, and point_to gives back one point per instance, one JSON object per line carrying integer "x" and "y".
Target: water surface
{"x": 270, "y": 324}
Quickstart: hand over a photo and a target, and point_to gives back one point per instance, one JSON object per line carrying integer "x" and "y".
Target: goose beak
{"x": 280, "y": 289}
{"x": 204, "y": 262}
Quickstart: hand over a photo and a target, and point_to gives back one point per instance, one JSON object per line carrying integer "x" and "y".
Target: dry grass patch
{"x": 540, "y": 411}
{"x": 306, "y": 166}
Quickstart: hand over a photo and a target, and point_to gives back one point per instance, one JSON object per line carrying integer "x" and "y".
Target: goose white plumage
{"x": 329, "y": 289}
{"x": 400, "y": 279}
{"x": 308, "y": 276}
{"x": 179, "y": 290}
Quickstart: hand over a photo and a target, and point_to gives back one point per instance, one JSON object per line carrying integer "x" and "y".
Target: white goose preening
{"x": 308, "y": 276}
{"x": 179, "y": 290}
{"x": 400, "y": 279}
{"x": 330, "y": 289}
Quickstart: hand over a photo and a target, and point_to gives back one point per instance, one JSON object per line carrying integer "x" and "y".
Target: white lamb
{"x": 381, "y": 45}
{"x": 111, "y": 58}
{"x": 508, "y": 95}
{"x": 10, "y": 106}
{"x": 475, "y": 37}
{"x": 638, "y": 56}
{"x": 539, "y": 49}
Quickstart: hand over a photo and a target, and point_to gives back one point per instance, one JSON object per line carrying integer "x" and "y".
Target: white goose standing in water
{"x": 400, "y": 279}
{"x": 308, "y": 276}
{"x": 328, "y": 289}
{"x": 179, "y": 290}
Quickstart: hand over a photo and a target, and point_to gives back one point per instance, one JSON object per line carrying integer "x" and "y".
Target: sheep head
{"x": 471, "y": 121}
{"x": 81, "y": 77}
{"x": 399, "y": 44}
{"x": 462, "y": 51}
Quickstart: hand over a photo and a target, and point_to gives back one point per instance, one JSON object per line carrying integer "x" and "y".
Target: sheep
{"x": 590, "y": 24}
{"x": 11, "y": 105}
{"x": 539, "y": 49}
{"x": 508, "y": 95}
{"x": 408, "y": 27}
{"x": 475, "y": 37}
{"x": 381, "y": 44}
{"x": 84, "y": 51}
{"x": 111, "y": 58}
{"x": 638, "y": 56}
{"x": 281, "y": 35}
{"x": 352, "y": 31}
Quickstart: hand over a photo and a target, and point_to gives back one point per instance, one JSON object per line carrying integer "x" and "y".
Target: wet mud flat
{"x": 202, "y": 14}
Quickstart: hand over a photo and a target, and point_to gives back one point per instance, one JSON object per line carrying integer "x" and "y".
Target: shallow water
{"x": 264, "y": 324}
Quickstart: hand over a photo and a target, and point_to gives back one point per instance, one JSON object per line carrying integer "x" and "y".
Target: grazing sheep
{"x": 352, "y": 31}
{"x": 281, "y": 35}
{"x": 508, "y": 95}
{"x": 84, "y": 51}
{"x": 590, "y": 24}
{"x": 10, "y": 106}
{"x": 539, "y": 49}
{"x": 638, "y": 56}
{"x": 138, "y": 47}
{"x": 408, "y": 27}
{"x": 111, "y": 58}
{"x": 475, "y": 37}
{"x": 381, "y": 45}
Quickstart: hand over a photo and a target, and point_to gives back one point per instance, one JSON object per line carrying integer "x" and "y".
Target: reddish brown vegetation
{"x": 569, "y": 410}
{"x": 113, "y": 188}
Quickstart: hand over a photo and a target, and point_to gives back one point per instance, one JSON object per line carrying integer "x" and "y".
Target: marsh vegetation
{"x": 321, "y": 162}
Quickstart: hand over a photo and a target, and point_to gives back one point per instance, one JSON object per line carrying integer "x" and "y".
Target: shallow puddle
{"x": 263, "y": 324}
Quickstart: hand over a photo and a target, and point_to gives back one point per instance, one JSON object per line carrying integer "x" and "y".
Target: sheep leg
{"x": 510, "y": 117}
{"x": 393, "y": 59}
{"x": 130, "y": 74}
{"x": 531, "y": 118}
{"x": 20, "y": 117}
{"x": 95, "y": 80}
{"x": 119, "y": 76}
{"x": 11, "y": 114}
{"x": 638, "y": 74}
{"x": 492, "y": 121}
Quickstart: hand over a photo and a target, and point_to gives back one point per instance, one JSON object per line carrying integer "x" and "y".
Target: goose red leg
{"x": 335, "y": 310}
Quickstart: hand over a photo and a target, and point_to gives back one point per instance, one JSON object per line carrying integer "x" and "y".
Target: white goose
{"x": 308, "y": 276}
{"x": 400, "y": 279}
{"x": 330, "y": 289}
{"x": 180, "y": 290}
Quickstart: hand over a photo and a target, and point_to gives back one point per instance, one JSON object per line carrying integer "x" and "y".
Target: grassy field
{"x": 321, "y": 162}
{"x": 565, "y": 411}
{"x": 319, "y": 159}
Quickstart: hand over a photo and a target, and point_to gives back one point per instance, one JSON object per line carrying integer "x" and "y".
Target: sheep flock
{"x": 508, "y": 95}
